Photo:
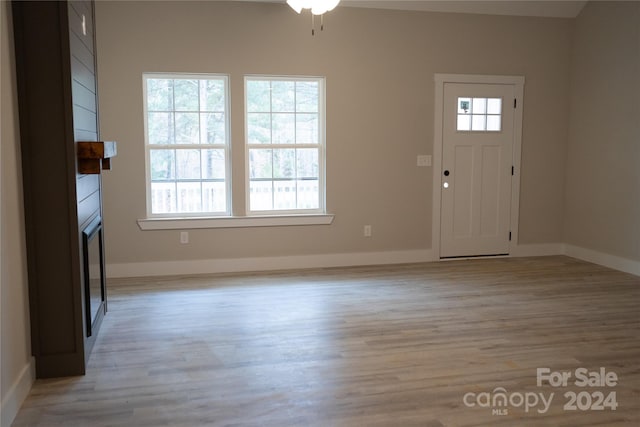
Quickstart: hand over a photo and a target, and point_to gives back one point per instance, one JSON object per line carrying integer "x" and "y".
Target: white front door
{"x": 477, "y": 168}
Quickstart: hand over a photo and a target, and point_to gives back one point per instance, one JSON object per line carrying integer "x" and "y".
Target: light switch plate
{"x": 424, "y": 160}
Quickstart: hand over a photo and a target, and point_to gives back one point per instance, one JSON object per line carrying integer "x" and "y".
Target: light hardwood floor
{"x": 370, "y": 346}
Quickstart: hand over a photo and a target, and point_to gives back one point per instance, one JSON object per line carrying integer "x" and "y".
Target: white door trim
{"x": 518, "y": 88}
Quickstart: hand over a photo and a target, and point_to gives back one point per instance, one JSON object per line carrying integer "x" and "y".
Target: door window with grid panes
{"x": 479, "y": 114}
{"x": 187, "y": 144}
{"x": 285, "y": 144}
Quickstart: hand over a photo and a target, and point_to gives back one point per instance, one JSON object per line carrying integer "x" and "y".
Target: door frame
{"x": 518, "y": 89}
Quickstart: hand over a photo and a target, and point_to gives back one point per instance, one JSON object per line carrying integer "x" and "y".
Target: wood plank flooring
{"x": 369, "y": 346}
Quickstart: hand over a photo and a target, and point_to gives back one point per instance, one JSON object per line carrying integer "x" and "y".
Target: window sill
{"x": 233, "y": 222}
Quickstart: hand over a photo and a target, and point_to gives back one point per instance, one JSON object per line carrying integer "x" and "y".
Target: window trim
{"x": 234, "y": 221}
{"x": 227, "y": 146}
{"x": 321, "y": 210}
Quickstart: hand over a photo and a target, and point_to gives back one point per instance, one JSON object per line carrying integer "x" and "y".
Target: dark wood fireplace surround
{"x": 58, "y": 108}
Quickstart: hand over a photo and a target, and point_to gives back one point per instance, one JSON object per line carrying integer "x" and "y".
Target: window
{"x": 187, "y": 145}
{"x": 284, "y": 144}
{"x": 479, "y": 114}
{"x": 189, "y": 152}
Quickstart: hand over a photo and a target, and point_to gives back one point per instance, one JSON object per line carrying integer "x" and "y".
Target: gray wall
{"x": 379, "y": 67}
{"x": 17, "y": 372}
{"x": 602, "y": 208}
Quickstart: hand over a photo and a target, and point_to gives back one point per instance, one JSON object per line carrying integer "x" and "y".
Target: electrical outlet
{"x": 367, "y": 231}
{"x": 184, "y": 237}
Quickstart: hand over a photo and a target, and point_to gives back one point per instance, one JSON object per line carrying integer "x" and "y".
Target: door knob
{"x": 446, "y": 173}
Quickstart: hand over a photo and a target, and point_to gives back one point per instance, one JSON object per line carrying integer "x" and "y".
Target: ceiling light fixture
{"x": 318, "y": 7}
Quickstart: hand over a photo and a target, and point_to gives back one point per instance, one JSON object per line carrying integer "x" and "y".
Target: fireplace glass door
{"x": 94, "y": 280}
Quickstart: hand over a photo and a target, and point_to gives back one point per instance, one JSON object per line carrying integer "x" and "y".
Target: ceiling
{"x": 547, "y": 8}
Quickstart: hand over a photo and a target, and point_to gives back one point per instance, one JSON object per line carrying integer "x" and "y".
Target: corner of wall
{"x": 606, "y": 260}
{"x": 17, "y": 365}
{"x": 600, "y": 225}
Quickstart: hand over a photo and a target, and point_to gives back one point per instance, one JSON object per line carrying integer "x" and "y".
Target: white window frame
{"x": 321, "y": 146}
{"x": 148, "y": 147}
{"x": 232, "y": 219}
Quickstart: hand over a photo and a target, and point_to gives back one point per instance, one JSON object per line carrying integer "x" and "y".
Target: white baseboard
{"x": 210, "y": 266}
{"x": 17, "y": 393}
{"x": 234, "y": 265}
{"x": 538, "y": 249}
{"x": 617, "y": 263}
